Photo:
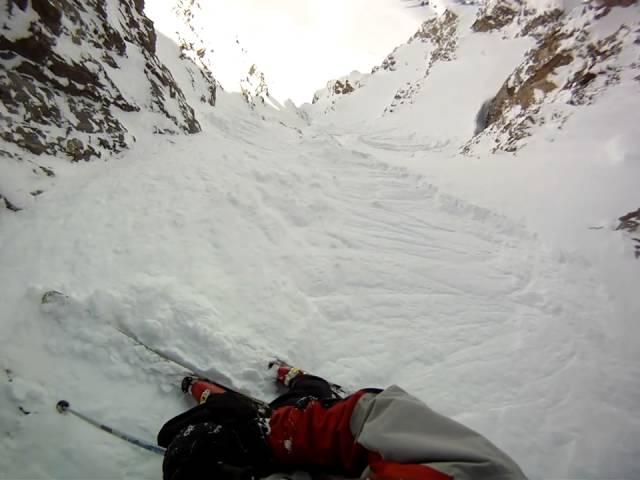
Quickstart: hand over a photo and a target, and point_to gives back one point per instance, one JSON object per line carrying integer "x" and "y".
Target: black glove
{"x": 222, "y": 408}
{"x": 224, "y": 452}
{"x": 226, "y": 436}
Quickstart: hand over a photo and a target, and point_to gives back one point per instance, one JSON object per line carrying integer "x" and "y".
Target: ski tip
{"x": 62, "y": 406}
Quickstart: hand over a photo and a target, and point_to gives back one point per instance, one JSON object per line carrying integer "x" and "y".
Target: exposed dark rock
{"x": 540, "y": 23}
{"x": 341, "y": 88}
{"x": 501, "y": 15}
{"x": 212, "y": 89}
{"x": 77, "y": 73}
{"x": 254, "y": 86}
{"x": 109, "y": 60}
{"x": 36, "y": 48}
{"x": 75, "y": 149}
{"x": 630, "y": 222}
{"x": 21, "y": 4}
{"x": 10, "y": 206}
{"x": 587, "y": 64}
{"x": 139, "y": 5}
{"x": 48, "y": 172}
{"x": 50, "y": 14}
{"x": 78, "y": 151}
{"x": 4, "y": 153}
{"x": 482, "y": 117}
{"x": 147, "y": 36}
{"x": 27, "y": 138}
{"x": 497, "y": 15}
{"x": 84, "y": 123}
{"x": 443, "y": 33}
{"x": 388, "y": 63}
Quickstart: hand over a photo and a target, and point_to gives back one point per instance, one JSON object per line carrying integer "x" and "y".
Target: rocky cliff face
{"x": 73, "y": 74}
{"x": 630, "y": 223}
{"x": 578, "y": 55}
{"x": 336, "y": 88}
{"x": 441, "y": 34}
{"x": 438, "y": 38}
{"x": 192, "y": 47}
{"x": 64, "y": 82}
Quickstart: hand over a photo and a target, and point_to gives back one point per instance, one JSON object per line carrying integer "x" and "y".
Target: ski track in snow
{"x": 223, "y": 249}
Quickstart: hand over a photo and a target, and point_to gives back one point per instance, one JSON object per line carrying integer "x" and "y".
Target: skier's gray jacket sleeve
{"x": 414, "y": 442}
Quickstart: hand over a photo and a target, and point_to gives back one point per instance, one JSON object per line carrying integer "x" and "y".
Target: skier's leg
{"x": 285, "y": 373}
{"x": 201, "y": 390}
{"x": 302, "y": 387}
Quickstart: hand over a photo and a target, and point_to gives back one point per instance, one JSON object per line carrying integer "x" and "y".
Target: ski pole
{"x": 63, "y": 407}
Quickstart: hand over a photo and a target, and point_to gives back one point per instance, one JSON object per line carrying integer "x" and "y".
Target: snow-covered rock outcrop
{"x": 578, "y": 55}
{"x": 399, "y": 77}
{"x": 534, "y": 55}
{"x": 68, "y": 72}
{"x": 73, "y": 76}
{"x": 194, "y": 48}
{"x": 436, "y": 40}
{"x": 220, "y": 53}
{"x": 630, "y": 223}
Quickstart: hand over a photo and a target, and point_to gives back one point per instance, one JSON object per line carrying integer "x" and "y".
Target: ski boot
{"x": 284, "y": 372}
{"x": 200, "y": 389}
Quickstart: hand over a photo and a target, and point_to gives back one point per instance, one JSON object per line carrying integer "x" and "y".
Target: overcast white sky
{"x": 301, "y": 44}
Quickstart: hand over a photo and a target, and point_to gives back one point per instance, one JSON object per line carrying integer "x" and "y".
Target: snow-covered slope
{"x": 301, "y": 248}
{"x": 366, "y": 245}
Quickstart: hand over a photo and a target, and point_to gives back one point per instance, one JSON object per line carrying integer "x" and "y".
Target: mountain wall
{"x": 76, "y": 76}
{"x": 529, "y": 57}
{"x": 578, "y": 55}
